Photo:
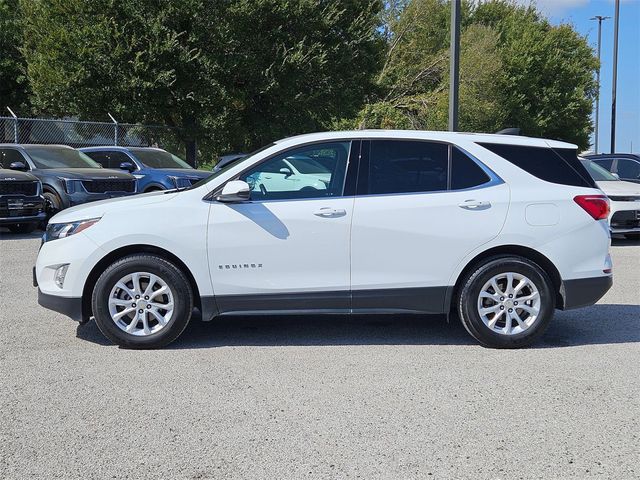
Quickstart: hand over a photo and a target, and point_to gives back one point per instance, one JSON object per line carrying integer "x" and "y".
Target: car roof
{"x": 27, "y": 146}
{"x": 431, "y": 135}
{"x": 117, "y": 148}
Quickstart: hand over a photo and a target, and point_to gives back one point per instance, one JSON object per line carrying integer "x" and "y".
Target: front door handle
{"x": 330, "y": 212}
{"x": 475, "y": 204}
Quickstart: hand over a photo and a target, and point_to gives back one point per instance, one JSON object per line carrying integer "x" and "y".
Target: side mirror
{"x": 286, "y": 171}
{"x": 18, "y": 166}
{"x": 616, "y": 175}
{"x": 234, "y": 191}
{"x": 128, "y": 166}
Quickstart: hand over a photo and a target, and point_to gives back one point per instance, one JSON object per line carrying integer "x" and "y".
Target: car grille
{"x": 103, "y": 186}
{"x": 18, "y": 188}
{"x": 626, "y": 219}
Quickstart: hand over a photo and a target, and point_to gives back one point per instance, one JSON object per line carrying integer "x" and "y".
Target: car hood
{"x": 184, "y": 172}
{"x": 619, "y": 187}
{"x": 86, "y": 173}
{"x": 99, "y": 208}
{"x": 13, "y": 175}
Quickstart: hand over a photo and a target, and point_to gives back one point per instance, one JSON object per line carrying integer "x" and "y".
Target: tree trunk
{"x": 190, "y": 149}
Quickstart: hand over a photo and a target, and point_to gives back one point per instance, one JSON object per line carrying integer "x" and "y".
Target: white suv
{"x": 500, "y": 230}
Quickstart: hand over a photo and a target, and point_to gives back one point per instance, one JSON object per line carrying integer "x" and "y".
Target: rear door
{"x": 420, "y": 208}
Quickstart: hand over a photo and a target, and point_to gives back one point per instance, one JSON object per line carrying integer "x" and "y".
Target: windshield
{"x": 230, "y": 165}
{"x": 58, "y": 157}
{"x": 159, "y": 158}
{"x": 598, "y": 173}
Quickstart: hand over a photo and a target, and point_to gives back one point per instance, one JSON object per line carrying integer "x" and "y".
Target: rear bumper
{"x": 583, "y": 292}
{"x": 69, "y": 306}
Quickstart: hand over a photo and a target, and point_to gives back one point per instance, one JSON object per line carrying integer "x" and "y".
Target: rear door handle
{"x": 475, "y": 204}
{"x": 330, "y": 212}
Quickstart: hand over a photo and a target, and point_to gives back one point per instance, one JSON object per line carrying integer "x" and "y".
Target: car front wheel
{"x": 507, "y": 302}
{"x": 142, "y": 301}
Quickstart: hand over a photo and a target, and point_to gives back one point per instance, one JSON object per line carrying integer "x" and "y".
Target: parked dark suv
{"x": 155, "y": 169}
{"x": 68, "y": 176}
{"x": 21, "y": 202}
{"x": 625, "y": 165}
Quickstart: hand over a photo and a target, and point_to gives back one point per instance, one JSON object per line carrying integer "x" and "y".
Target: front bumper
{"x": 23, "y": 219}
{"x": 80, "y": 198}
{"x": 69, "y": 306}
{"x": 583, "y": 292}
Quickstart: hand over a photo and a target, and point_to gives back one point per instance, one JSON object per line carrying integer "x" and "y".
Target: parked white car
{"x": 294, "y": 173}
{"x": 499, "y": 230}
{"x": 624, "y": 200}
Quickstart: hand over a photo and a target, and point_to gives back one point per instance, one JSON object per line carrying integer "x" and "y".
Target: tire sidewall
{"x": 171, "y": 275}
{"x": 469, "y": 299}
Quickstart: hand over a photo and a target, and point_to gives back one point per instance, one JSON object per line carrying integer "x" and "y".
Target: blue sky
{"x": 578, "y": 13}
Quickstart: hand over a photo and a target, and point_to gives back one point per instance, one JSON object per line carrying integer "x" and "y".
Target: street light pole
{"x": 600, "y": 19}
{"x": 454, "y": 69}
{"x": 616, "y": 21}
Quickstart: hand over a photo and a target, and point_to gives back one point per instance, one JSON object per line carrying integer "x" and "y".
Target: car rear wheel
{"x": 506, "y": 302}
{"x": 23, "y": 227}
{"x": 142, "y": 301}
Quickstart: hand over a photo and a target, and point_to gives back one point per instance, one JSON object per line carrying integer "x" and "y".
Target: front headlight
{"x": 71, "y": 185}
{"x": 181, "y": 182}
{"x": 62, "y": 230}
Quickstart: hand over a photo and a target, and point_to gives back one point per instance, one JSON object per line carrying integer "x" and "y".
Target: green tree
{"x": 14, "y": 87}
{"x": 515, "y": 70}
{"x": 231, "y": 75}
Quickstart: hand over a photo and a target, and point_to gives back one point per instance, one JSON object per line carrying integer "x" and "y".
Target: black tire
{"x": 471, "y": 287}
{"x": 632, "y": 236}
{"x": 53, "y": 203}
{"x": 23, "y": 227}
{"x": 175, "y": 279}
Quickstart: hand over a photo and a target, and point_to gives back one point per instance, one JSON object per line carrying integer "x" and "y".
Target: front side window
{"x": 110, "y": 159}
{"x": 58, "y": 157}
{"x": 405, "y": 166}
{"x": 9, "y": 156}
{"x": 311, "y": 171}
{"x": 605, "y": 163}
{"x": 628, "y": 169}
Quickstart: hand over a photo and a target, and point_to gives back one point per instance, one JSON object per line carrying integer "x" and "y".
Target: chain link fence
{"x": 77, "y": 133}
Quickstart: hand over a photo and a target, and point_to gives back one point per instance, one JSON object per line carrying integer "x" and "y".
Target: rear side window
{"x": 407, "y": 166}
{"x": 628, "y": 168}
{"x": 552, "y": 165}
{"x": 465, "y": 173}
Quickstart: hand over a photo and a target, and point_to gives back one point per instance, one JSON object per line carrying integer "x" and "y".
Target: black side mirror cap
{"x": 18, "y": 166}
{"x": 128, "y": 166}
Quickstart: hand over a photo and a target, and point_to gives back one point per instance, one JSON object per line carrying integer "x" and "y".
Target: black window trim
{"x": 23, "y": 153}
{"x": 125, "y": 152}
{"x": 363, "y": 170}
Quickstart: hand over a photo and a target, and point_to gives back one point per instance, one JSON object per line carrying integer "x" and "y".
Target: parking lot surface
{"x": 319, "y": 397}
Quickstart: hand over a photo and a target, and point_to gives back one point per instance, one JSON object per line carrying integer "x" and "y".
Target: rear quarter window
{"x": 560, "y": 165}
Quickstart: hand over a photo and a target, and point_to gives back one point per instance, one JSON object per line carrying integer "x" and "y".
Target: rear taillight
{"x": 595, "y": 205}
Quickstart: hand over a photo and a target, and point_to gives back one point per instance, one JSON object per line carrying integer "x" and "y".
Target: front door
{"x": 288, "y": 247}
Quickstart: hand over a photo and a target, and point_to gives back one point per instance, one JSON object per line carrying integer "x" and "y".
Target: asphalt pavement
{"x": 332, "y": 397}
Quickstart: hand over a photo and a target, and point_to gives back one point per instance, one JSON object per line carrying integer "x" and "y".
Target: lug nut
{"x": 133, "y": 305}
{"x": 510, "y": 310}
{"x": 140, "y": 311}
{"x": 501, "y": 307}
{"x": 502, "y": 299}
{"x": 137, "y": 296}
{"x": 146, "y": 297}
{"x": 515, "y": 303}
{"x": 148, "y": 306}
{"x": 510, "y": 296}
